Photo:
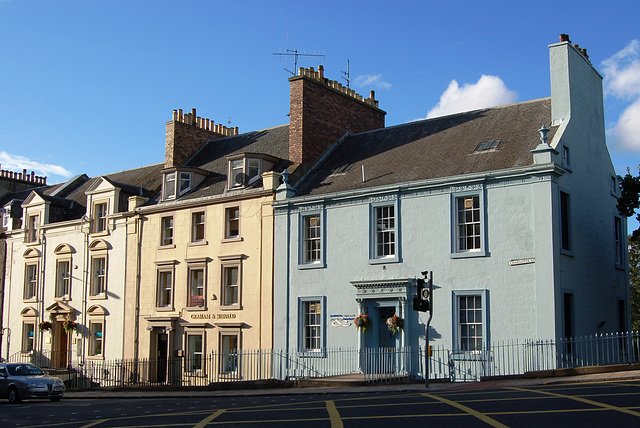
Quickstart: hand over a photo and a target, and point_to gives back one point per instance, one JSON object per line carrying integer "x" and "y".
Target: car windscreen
{"x": 24, "y": 370}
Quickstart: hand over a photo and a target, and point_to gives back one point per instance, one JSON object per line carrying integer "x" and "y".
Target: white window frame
{"x": 228, "y": 219}
{"x": 304, "y": 261}
{"x": 93, "y": 340}
{"x": 30, "y": 292}
{"x": 303, "y": 337}
{"x": 198, "y": 226}
{"x": 28, "y": 345}
{"x": 190, "y": 271}
{"x": 226, "y": 287}
{"x": 63, "y": 282}
{"x": 184, "y": 182}
{"x": 32, "y": 228}
{"x": 243, "y": 165}
{"x": 100, "y": 217}
{"x": 169, "y": 185}
{"x": 164, "y": 294}
{"x": 167, "y": 233}
{"x": 226, "y": 357}
{"x": 456, "y": 250}
{"x": 191, "y": 354}
{"x": 374, "y": 256}
{"x": 97, "y": 277}
{"x": 456, "y": 327}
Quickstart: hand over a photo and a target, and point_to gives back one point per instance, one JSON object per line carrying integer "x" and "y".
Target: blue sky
{"x": 87, "y": 86}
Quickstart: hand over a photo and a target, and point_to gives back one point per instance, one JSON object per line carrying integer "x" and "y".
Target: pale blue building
{"x": 521, "y": 232}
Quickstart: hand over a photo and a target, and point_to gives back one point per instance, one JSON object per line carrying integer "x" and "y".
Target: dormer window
{"x": 169, "y": 184}
{"x": 245, "y": 169}
{"x": 33, "y": 222}
{"x": 100, "y": 217}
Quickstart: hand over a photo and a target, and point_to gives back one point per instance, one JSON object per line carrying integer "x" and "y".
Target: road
{"x": 568, "y": 405}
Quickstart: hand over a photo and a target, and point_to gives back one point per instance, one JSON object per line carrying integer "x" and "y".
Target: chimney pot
{"x": 564, "y": 38}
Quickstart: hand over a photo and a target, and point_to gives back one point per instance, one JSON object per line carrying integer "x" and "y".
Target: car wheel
{"x": 54, "y": 399}
{"x": 12, "y": 394}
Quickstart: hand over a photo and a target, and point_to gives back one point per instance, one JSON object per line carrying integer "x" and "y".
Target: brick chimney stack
{"x": 186, "y": 133}
{"x": 322, "y": 111}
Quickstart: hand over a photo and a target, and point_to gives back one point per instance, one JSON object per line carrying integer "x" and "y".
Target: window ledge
{"x": 468, "y": 254}
{"x": 62, "y": 299}
{"x": 568, "y": 253}
{"x": 164, "y": 308}
{"x": 98, "y": 297}
{"x": 97, "y": 234}
{"x": 234, "y": 239}
{"x": 32, "y": 243}
{"x": 384, "y": 260}
{"x": 231, "y": 308}
{"x": 95, "y": 357}
{"x": 166, "y": 247}
{"x": 33, "y": 300}
{"x": 197, "y": 243}
{"x": 314, "y": 265}
{"x": 312, "y": 354}
{"x": 620, "y": 267}
{"x": 195, "y": 308}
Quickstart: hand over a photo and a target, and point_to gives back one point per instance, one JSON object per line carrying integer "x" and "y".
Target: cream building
{"x": 65, "y": 277}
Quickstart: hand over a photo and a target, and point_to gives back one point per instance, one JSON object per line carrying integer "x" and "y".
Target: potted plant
{"x": 44, "y": 326}
{"x": 362, "y": 321}
{"x": 69, "y": 325}
{"x": 394, "y": 323}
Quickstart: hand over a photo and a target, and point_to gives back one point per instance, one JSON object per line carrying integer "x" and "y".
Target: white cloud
{"x": 374, "y": 80}
{"x": 622, "y": 72}
{"x": 489, "y": 91}
{"x": 627, "y": 129}
{"x": 18, "y": 163}
{"x": 622, "y": 80}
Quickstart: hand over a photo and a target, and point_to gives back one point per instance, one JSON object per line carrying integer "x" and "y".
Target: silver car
{"x": 20, "y": 380}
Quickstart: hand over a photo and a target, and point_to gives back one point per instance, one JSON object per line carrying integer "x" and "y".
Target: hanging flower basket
{"x": 44, "y": 326}
{"x": 394, "y": 323}
{"x": 69, "y": 326}
{"x": 362, "y": 321}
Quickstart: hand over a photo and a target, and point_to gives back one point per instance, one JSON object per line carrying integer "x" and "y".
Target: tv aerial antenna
{"x": 295, "y": 54}
{"x": 346, "y": 75}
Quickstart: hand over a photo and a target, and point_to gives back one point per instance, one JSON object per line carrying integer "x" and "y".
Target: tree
{"x": 629, "y": 200}
{"x": 634, "y": 282}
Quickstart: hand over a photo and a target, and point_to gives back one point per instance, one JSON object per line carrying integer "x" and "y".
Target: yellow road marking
{"x": 209, "y": 418}
{"x": 94, "y": 423}
{"x": 484, "y": 418}
{"x": 582, "y": 400}
{"x": 334, "y": 415}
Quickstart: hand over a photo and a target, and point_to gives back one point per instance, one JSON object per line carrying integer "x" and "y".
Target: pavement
{"x": 343, "y": 387}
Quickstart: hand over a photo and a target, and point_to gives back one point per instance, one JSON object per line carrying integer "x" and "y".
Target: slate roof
{"x": 212, "y": 157}
{"x": 432, "y": 148}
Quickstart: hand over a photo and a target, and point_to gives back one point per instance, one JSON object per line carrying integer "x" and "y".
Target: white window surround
{"x": 230, "y": 343}
{"x": 307, "y": 244}
{"x": 32, "y": 228}
{"x": 194, "y": 344}
{"x": 165, "y": 285}
{"x": 28, "y": 335}
{"x": 374, "y": 258}
{"x": 198, "y": 227}
{"x": 31, "y": 275}
{"x": 100, "y": 210}
{"x": 303, "y": 303}
{"x": 176, "y": 183}
{"x": 456, "y": 252}
{"x": 96, "y": 317}
{"x": 98, "y": 278}
{"x": 232, "y": 223}
{"x": 243, "y": 170}
{"x": 196, "y": 286}
{"x": 455, "y": 310}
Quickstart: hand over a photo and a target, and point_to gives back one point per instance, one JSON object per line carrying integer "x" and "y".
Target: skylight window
{"x": 487, "y": 145}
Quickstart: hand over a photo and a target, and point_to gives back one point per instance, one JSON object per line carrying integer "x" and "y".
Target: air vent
{"x": 487, "y": 145}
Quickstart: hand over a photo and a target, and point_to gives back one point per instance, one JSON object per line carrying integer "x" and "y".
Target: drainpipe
{"x": 85, "y": 283}
{"x": 136, "y": 319}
